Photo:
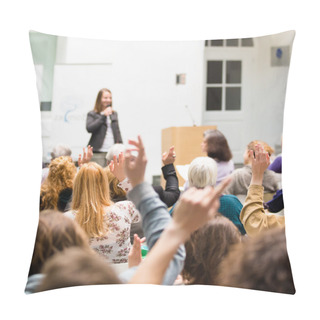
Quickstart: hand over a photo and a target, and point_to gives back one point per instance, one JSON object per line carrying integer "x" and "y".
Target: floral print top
{"x": 115, "y": 245}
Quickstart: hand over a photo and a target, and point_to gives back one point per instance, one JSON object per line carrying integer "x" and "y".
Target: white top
{"x": 108, "y": 139}
{"x": 115, "y": 245}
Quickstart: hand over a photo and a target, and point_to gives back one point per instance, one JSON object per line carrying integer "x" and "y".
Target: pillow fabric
{"x": 233, "y": 87}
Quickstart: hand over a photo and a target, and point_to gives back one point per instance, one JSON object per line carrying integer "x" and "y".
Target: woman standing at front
{"x": 102, "y": 123}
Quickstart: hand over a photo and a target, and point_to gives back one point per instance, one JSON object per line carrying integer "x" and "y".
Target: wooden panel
{"x": 187, "y": 144}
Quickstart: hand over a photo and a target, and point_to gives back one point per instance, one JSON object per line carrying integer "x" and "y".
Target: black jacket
{"x": 97, "y": 125}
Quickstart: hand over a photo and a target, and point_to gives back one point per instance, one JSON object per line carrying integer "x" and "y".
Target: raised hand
{"x": 134, "y": 256}
{"x": 260, "y": 163}
{"x": 116, "y": 167}
{"x": 169, "y": 157}
{"x": 86, "y": 157}
{"x": 135, "y": 166}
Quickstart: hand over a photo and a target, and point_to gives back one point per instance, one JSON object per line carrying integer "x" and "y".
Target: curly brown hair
{"x": 206, "y": 248}
{"x": 261, "y": 263}
{"x": 62, "y": 171}
{"x": 55, "y": 233}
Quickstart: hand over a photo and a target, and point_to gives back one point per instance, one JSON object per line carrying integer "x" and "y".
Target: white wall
{"x": 143, "y": 83}
{"x": 142, "y": 77}
{"x": 265, "y": 119}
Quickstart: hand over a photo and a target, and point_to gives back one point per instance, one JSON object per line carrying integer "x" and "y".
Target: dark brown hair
{"x": 76, "y": 267}
{"x": 218, "y": 147}
{"x": 55, "y": 233}
{"x": 261, "y": 263}
{"x": 206, "y": 248}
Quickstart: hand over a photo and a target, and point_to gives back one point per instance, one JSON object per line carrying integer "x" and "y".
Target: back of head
{"x": 60, "y": 150}
{"x": 217, "y": 145}
{"x": 266, "y": 147}
{"x": 115, "y": 151}
{"x": 260, "y": 263}
{"x": 55, "y": 233}
{"x": 61, "y": 174}
{"x": 76, "y": 267}
{"x": 202, "y": 172}
{"x": 62, "y": 171}
{"x": 206, "y": 248}
{"x": 90, "y": 196}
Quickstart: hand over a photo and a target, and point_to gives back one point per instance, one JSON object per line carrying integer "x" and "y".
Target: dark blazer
{"x": 97, "y": 125}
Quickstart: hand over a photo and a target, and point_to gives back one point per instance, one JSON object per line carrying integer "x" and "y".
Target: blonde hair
{"x": 62, "y": 171}
{"x": 202, "y": 172}
{"x": 90, "y": 197}
{"x": 115, "y": 191}
{"x": 265, "y": 146}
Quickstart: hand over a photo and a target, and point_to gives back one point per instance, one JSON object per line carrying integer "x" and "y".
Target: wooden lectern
{"x": 187, "y": 145}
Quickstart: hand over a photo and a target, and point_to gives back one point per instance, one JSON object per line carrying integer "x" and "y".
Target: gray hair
{"x": 202, "y": 172}
{"x": 115, "y": 150}
{"x": 60, "y": 150}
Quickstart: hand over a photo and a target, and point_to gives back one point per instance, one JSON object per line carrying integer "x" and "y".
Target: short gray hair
{"x": 202, "y": 172}
{"x": 60, "y": 150}
{"x": 114, "y": 151}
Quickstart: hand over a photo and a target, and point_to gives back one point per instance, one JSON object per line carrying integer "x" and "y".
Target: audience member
{"x": 203, "y": 172}
{"x": 55, "y": 233}
{"x": 253, "y": 216}
{"x": 169, "y": 195}
{"x": 206, "y": 248}
{"x": 216, "y": 146}
{"x": 76, "y": 267}
{"x": 115, "y": 150}
{"x": 165, "y": 260}
{"x": 261, "y": 263}
{"x": 106, "y": 223}
{"x": 58, "y": 151}
{"x": 56, "y": 191}
{"x": 194, "y": 209}
{"x": 241, "y": 177}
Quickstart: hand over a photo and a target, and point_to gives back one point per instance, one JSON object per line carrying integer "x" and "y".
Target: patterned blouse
{"x": 115, "y": 245}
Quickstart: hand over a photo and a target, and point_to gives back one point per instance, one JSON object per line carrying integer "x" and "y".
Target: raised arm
{"x": 253, "y": 216}
{"x": 171, "y": 193}
{"x": 195, "y": 208}
{"x": 86, "y": 156}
